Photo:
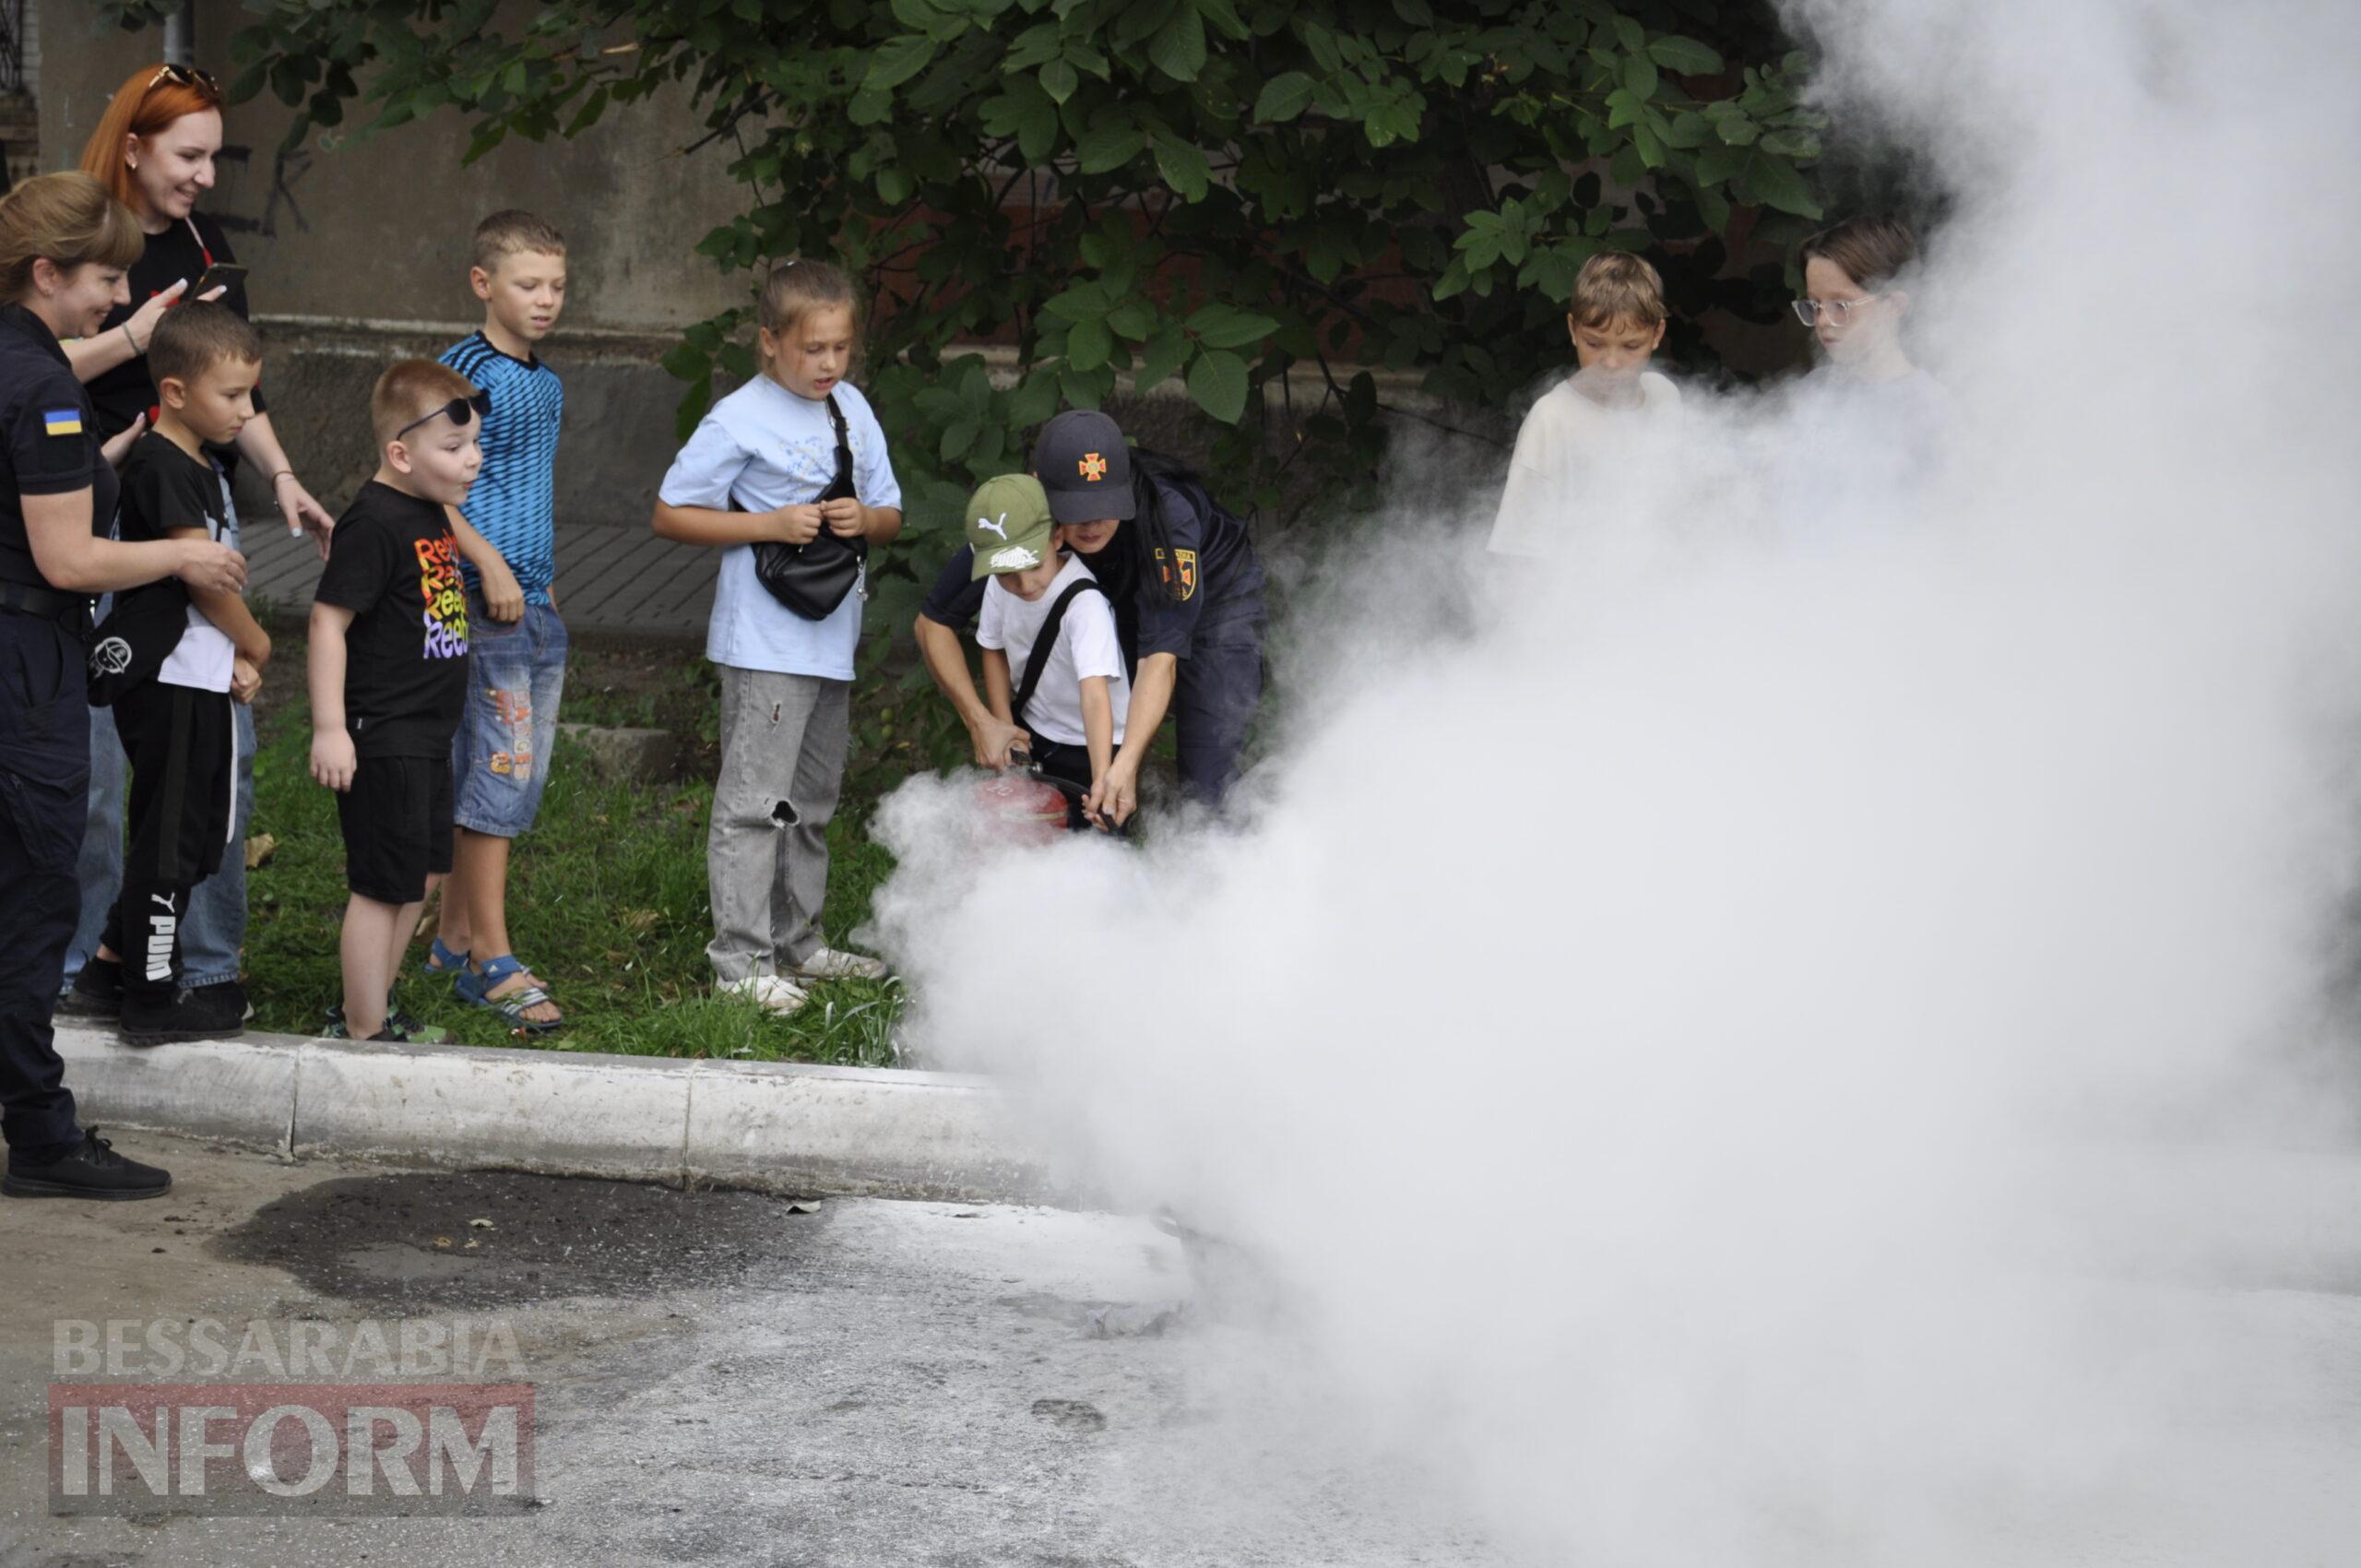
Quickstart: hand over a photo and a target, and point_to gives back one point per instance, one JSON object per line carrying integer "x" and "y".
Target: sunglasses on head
{"x": 459, "y": 409}
{"x": 185, "y": 76}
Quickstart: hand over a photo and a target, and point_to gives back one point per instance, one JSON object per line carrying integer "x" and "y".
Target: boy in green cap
{"x": 1048, "y": 626}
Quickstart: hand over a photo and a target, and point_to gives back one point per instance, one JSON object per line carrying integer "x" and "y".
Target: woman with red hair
{"x": 153, "y": 150}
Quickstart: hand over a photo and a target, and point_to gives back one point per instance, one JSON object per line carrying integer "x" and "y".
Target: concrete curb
{"x": 783, "y": 1127}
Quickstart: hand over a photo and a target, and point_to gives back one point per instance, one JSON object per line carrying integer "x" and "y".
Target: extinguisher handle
{"x": 1021, "y": 761}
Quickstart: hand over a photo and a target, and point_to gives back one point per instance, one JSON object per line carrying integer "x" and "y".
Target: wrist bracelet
{"x": 284, "y": 473}
{"x": 136, "y": 350}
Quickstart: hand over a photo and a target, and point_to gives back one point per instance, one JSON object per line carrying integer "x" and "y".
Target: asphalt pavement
{"x": 721, "y": 1377}
{"x": 733, "y": 1377}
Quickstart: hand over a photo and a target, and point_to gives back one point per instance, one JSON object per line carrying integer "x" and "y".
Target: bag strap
{"x": 1045, "y": 642}
{"x": 844, "y": 442}
{"x": 219, "y": 526}
{"x": 844, "y": 455}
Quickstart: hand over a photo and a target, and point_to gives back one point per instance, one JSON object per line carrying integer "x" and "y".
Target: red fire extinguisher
{"x": 1025, "y": 805}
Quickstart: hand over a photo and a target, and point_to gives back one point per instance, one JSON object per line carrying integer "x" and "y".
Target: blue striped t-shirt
{"x": 514, "y": 503}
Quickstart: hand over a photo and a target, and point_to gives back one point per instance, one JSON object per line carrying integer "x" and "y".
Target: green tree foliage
{"x": 1150, "y": 191}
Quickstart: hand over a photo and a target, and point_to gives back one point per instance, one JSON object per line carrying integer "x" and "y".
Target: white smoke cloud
{"x": 1675, "y": 1026}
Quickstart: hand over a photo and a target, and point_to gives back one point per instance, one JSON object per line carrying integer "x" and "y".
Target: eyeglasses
{"x": 1839, "y": 311}
{"x": 184, "y": 76}
{"x": 459, "y": 411}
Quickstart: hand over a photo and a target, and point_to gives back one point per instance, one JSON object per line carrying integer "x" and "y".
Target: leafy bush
{"x": 1147, "y": 190}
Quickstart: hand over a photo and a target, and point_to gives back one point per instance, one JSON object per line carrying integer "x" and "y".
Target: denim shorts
{"x": 500, "y": 758}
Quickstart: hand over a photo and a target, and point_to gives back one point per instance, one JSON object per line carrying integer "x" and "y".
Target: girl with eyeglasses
{"x": 1871, "y": 402}
{"x": 1852, "y": 299}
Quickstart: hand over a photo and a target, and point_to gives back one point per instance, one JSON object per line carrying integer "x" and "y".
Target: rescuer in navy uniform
{"x": 65, "y": 248}
{"x": 1188, "y": 596}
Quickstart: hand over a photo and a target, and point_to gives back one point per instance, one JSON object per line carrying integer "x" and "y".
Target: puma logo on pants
{"x": 164, "y": 929}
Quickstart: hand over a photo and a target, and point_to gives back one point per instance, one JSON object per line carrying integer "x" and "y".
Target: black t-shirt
{"x": 1210, "y": 568}
{"x": 125, "y": 392}
{"x": 164, "y": 488}
{"x": 51, "y": 437}
{"x": 393, "y": 562}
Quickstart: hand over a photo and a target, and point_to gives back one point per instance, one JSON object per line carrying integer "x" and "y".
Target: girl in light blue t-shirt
{"x": 753, "y": 471}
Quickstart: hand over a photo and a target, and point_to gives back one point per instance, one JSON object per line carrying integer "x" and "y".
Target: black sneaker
{"x": 97, "y": 991}
{"x": 230, "y": 993}
{"x": 399, "y": 1026}
{"x": 209, "y": 1014}
{"x": 391, "y": 1032}
{"x": 94, "y": 1170}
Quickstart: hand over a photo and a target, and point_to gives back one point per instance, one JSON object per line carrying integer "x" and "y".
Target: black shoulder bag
{"x": 812, "y": 579}
{"x": 1045, "y": 642}
{"x": 130, "y": 645}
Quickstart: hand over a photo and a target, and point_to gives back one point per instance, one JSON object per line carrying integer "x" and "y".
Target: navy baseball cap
{"x": 1084, "y": 467}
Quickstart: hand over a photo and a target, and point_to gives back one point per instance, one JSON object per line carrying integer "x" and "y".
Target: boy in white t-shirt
{"x": 1602, "y": 430}
{"x": 173, "y": 661}
{"x": 1053, "y": 665}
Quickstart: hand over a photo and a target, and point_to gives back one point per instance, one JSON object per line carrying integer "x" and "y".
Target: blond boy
{"x": 500, "y": 759}
{"x": 1602, "y": 423}
{"x": 389, "y": 672}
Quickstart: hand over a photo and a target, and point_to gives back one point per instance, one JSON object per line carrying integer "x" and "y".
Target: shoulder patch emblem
{"x": 61, "y": 421}
{"x": 1181, "y": 573}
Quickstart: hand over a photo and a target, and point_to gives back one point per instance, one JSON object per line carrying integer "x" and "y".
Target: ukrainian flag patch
{"x": 63, "y": 421}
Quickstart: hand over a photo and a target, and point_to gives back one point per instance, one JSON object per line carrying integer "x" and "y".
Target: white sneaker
{"x": 768, "y": 992}
{"x": 831, "y": 963}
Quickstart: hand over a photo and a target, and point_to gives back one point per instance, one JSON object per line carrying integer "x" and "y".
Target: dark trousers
{"x": 1215, "y": 695}
{"x": 179, "y": 743}
{"x": 45, "y": 778}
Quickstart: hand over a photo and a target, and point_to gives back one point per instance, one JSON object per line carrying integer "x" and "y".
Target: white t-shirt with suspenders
{"x": 1086, "y": 646}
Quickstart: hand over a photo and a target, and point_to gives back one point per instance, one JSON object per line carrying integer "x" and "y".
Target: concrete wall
{"x": 380, "y": 230}
{"x": 619, "y": 409}
{"x": 359, "y": 257}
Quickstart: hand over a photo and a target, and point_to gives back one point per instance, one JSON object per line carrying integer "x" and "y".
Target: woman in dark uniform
{"x": 1188, "y": 596}
{"x": 65, "y": 248}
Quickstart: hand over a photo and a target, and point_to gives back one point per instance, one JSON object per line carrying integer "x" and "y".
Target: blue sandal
{"x": 475, "y": 985}
{"x": 442, "y": 962}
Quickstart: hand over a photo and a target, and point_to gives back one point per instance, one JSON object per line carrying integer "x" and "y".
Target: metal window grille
{"x": 13, "y": 75}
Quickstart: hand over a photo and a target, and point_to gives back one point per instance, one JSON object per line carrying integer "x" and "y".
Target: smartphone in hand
{"x": 221, "y": 275}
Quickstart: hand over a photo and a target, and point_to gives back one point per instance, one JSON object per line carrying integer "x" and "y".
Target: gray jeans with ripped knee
{"x": 783, "y": 745}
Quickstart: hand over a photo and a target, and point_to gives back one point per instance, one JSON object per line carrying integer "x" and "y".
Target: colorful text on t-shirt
{"x": 445, "y": 594}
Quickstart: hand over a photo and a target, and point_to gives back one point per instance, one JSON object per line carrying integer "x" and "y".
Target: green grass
{"x": 606, "y": 897}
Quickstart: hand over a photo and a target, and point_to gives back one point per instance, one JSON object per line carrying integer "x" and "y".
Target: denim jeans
{"x": 500, "y": 758}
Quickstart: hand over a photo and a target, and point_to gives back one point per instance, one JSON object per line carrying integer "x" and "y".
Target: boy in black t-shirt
{"x": 389, "y": 671}
{"x": 171, "y": 661}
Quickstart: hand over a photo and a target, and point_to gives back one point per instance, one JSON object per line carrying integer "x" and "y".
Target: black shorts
{"x": 397, "y": 821}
